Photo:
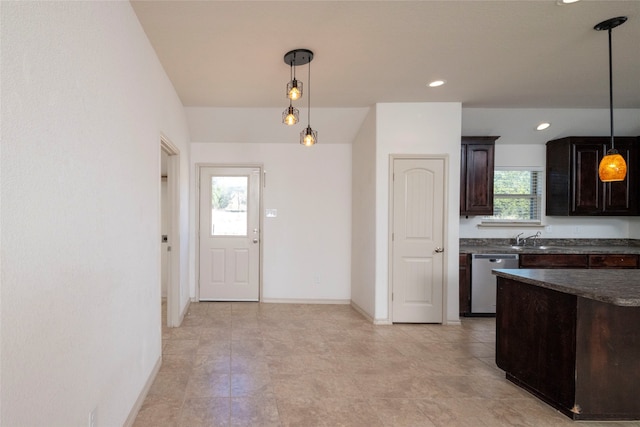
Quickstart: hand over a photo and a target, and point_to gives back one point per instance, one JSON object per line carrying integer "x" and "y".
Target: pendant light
{"x": 293, "y": 58}
{"x": 612, "y": 166}
{"x": 290, "y": 116}
{"x": 309, "y": 137}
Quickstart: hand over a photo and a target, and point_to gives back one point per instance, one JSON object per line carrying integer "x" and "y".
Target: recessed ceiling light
{"x": 543, "y": 126}
{"x": 437, "y": 83}
{"x": 561, "y": 2}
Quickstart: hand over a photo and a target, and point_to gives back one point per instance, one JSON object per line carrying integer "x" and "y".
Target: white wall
{"x": 264, "y": 125}
{"x": 311, "y": 237}
{"x": 634, "y": 228}
{"x": 363, "y": 217}
{"x": 85, "y": 101}
{"x": 520, "y": 145}
{"x": 417, "y": 128}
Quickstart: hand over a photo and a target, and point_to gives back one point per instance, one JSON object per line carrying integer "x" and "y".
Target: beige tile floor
{"x": 250, "y": 364}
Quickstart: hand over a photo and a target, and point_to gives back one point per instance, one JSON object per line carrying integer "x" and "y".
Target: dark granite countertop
{"x": 551, "y": 246}
{"x": 507, "y": 249}
{"x": 618, "y": 287}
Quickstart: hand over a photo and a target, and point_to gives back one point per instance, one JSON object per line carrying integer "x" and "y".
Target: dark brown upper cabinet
{"x": 573, "y": 185}
{"x": 476, "y": 175}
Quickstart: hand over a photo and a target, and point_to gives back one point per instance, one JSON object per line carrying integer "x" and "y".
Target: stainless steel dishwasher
{"x": 483, "y": 282}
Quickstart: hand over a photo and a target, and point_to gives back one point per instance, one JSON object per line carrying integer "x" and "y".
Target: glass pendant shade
{"x": 612, "y": 167}
{"x": 308, "y": 137}
{"x": 290, "y": 116}
{"x": 294, "y": 89}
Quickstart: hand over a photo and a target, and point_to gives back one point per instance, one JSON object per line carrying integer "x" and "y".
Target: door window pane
{"x": 229, "y": 205}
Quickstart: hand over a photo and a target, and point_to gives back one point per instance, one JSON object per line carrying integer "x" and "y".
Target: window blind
{"x": 516, "y": 195}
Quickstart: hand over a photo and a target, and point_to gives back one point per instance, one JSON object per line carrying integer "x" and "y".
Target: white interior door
{"x": 417, "y": 240}
{"x": 229, "y": 234}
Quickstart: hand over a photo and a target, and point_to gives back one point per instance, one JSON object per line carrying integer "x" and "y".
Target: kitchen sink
{"x": 534, "y": 248}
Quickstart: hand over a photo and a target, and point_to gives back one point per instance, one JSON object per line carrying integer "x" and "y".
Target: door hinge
{"x": 393, "y": 237}
{"x": 391, "y": 296}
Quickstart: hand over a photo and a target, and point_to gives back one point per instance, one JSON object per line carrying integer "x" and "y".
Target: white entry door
{"x": 418, "y": 240}
{"x": 229, "y": 234}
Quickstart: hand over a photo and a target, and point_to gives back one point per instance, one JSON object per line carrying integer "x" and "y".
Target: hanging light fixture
{"x": 309, "y": 137}
{"x": 294, "y": 89}
{"x": 612, "y": 166}
{"x": 293, "y": 58}
{"x": 290, "y": 116}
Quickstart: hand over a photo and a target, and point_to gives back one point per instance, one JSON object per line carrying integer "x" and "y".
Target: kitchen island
{"x": 572, "y": 338}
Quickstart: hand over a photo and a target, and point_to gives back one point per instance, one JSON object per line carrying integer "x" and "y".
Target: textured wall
{"x": 84, "y": 104}
{"x": 307, "y": 247}
{"x": 418, "y": 128}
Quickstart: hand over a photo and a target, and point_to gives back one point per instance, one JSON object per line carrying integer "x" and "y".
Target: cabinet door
{"x": 588, "y": 190}
{"x": 573, "y": 184}
{"x": 479, "y": 177}
{"x": 621, "y": 196}
{"x": 463, "y": 179}
{"x": 613, "y": 261}
{"x": 465, "y": 284}
{"x": 536, "y": 339}
{"x": 553, "y": 261}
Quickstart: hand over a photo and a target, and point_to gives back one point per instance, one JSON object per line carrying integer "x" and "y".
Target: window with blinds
{"x": 517, "y": 196}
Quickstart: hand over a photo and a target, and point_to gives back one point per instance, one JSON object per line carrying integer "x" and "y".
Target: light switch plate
{"x": 271, "y": 213}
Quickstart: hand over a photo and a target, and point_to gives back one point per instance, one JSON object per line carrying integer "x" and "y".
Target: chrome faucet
{"x": 518, "y": 239}
{"x": 534, "y": 237}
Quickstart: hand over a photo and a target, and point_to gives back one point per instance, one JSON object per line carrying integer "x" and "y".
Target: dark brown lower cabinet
{"x": 465, "y": 284}
{"x": 554, "y": 261}
{"x": 579, "y": 261}
{"x": 578, "y": 355}
{"x": 613, "y": 261}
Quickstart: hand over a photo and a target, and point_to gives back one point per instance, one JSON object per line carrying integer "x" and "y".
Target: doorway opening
{"x": 170, "y": 230}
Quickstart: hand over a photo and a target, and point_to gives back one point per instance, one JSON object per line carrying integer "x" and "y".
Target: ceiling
{"x": 492, "y": 54}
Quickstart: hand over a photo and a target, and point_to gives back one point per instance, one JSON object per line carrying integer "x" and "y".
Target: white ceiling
{"x": 493, "y": 54}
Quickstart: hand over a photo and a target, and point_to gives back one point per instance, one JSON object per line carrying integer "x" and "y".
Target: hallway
{"x": 250, "y": 364}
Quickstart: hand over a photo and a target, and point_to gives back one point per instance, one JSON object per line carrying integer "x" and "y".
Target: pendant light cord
{"x": 611, "y": 92}
{"x": 293, "y": 66}
{"x": 309, "y": 97}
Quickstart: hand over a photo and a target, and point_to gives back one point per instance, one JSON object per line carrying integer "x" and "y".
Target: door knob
{"x": 255, "y": 240}
{"x": 439, "y": 250}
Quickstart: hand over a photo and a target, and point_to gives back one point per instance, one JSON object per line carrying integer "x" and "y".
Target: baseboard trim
{"x": 184, "y": 312}
{"x": 143, "y": 394}
{"x": 363, "y": 313}
{"x": 369, "y": 317}
{"x": 305, "y": 301}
